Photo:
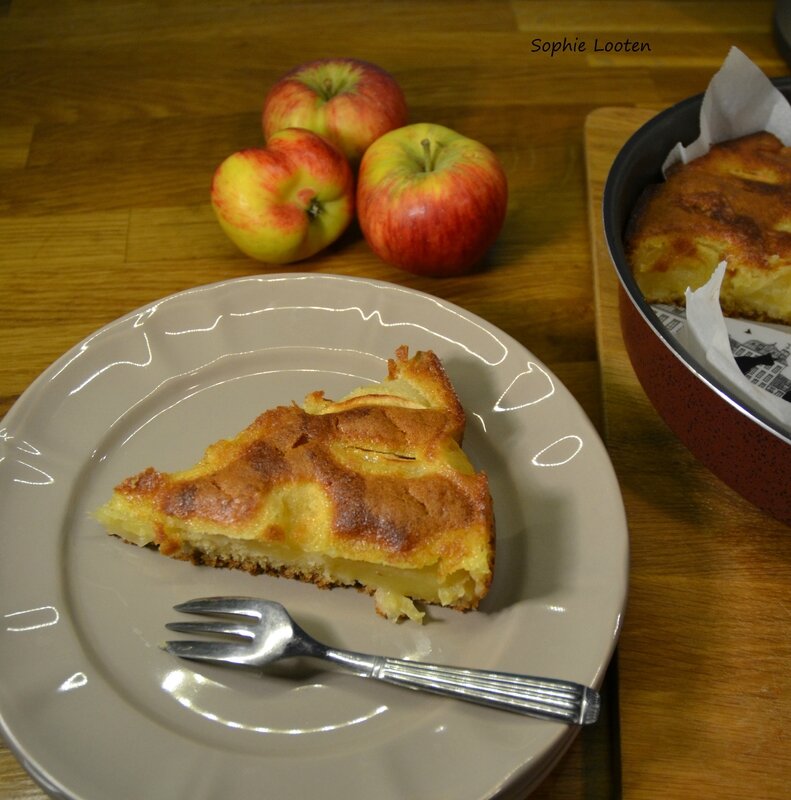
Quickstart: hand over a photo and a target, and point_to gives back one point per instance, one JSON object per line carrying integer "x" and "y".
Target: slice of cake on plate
{"x": 372, "y": 491}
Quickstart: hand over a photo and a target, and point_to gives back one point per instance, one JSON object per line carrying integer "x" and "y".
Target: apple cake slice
{"x": 732, "y": 204}
{"x": 372, "y": 491}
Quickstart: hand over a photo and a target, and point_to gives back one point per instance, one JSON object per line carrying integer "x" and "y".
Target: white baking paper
{"x": 707, "y": 339}
{"x": 739, "y": 100}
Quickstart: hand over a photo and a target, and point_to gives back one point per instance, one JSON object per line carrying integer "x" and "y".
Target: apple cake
{"x": 732, "y": 204}
{"x": 372, "y": 491}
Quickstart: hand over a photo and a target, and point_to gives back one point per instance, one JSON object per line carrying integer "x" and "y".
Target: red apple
{"x": 349, "y": 102}
{"x": 287, "y": 201}
{"x": 430, "y": 200}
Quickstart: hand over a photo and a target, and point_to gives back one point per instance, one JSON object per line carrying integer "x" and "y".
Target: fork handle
{"x": 545, "y": 698}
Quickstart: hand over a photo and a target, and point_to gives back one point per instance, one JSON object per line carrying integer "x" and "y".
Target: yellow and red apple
{"x": 349, "y": 102}
{"x": 285, "y": 202}
{"x": 430, "y": 200}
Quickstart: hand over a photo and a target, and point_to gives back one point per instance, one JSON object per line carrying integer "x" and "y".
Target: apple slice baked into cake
{"x": 372, "y": 491}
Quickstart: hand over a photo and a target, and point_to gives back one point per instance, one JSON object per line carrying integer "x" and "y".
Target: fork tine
{"x": 216, "y": 605}
{"x": 222, "y": 628}
{"x": 209, "y": 651}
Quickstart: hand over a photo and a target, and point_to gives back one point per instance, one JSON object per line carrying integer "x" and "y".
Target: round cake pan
{"x": 745, "y": 449}
{"x": 782, "y": 28}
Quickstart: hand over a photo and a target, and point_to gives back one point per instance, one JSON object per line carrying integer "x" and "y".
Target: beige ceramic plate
{"x": 95, "y": 708}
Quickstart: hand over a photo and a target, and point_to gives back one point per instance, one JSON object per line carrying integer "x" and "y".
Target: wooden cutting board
{"x": 703, "y": 656}
{"x": 606, "y": 131}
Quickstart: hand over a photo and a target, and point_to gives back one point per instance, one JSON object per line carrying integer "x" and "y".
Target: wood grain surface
{"x": 113, "y": 117}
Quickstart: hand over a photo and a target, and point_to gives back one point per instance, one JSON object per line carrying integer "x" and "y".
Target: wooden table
{"x": 112, "y": 119}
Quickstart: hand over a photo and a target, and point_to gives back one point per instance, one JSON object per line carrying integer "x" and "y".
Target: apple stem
{"x": 427, "y": 165}
{"x": 327, "y": 86}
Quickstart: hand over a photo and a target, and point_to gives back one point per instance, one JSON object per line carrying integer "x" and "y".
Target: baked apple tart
{"x": 372, "y": 491}
{"x": 732, "y": 204}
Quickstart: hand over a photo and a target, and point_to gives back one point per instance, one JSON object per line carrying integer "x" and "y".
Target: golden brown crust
{"x": 398, "y": 512}
{"x": 426, "y": 370}
{"x": 732, "y": 204}
{"x": 378, "y": 476}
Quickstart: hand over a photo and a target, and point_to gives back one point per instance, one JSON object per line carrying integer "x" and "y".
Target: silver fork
{"x": 258, "y": 632}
